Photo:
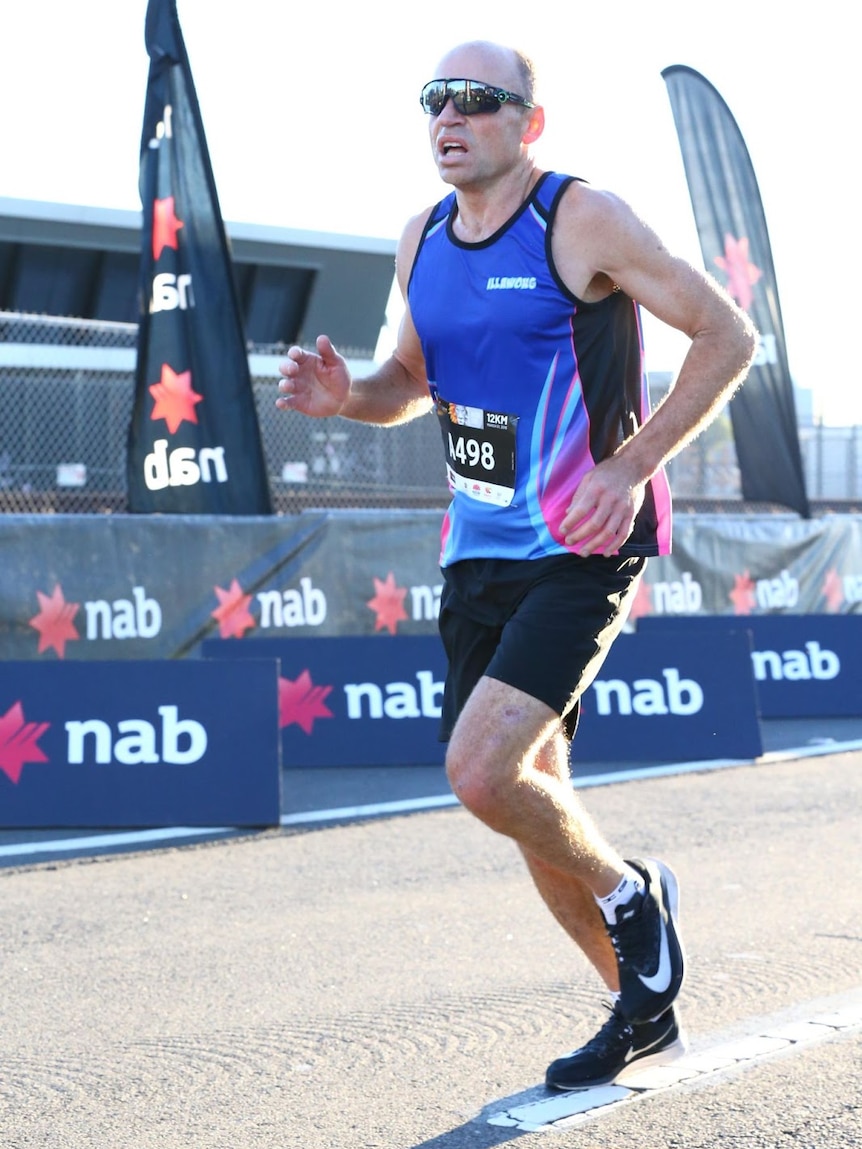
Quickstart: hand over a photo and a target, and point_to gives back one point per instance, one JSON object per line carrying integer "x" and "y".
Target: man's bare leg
{"x": 573, "y": 905}
{"x": 505, "y": 765}
{"x": 570, "y": 901}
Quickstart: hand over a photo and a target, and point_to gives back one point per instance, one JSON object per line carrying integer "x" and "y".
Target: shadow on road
{"x": 477, "y": 1133}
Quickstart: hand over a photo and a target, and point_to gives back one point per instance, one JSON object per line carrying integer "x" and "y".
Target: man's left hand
{"x": 601, "y": 515}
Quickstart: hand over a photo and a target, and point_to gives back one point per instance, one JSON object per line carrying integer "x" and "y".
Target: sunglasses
{"x": 470, "y": 97}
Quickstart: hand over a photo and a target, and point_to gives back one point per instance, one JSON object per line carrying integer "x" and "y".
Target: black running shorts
{"x": 543, "y": 626}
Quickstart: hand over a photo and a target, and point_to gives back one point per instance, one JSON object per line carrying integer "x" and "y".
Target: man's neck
{"x": 484, "y": 209}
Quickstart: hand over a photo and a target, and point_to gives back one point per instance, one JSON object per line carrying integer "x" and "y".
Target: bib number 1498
{"x": 471, "y": 452}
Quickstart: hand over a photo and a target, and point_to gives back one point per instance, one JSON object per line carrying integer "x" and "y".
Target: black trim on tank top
{"x": 434, "y": 216}
{"x": 550, "y": 216}
{"x": 513, "y": 219}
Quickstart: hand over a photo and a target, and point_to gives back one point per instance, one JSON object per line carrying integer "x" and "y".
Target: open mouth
{"x": 448, "y": 147}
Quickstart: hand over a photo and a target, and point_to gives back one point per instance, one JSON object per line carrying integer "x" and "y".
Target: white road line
{"x": 105, "y": 841}
{"x": 408, "y": 805}
{"x": 403, "y": 806}
{"x": 375, "y": 809}
{"x": 563, "y": 1110}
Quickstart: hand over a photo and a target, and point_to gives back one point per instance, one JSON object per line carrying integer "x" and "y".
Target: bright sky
{"x": 313, "y": 122}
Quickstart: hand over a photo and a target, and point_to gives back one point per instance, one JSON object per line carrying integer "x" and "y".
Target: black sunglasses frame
{"x": 488, "y": 97}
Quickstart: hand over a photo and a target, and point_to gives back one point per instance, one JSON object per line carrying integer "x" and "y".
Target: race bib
{"x": 480, "y": 451}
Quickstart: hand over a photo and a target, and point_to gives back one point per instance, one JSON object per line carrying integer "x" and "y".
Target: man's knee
{"x": 476, "y": 782}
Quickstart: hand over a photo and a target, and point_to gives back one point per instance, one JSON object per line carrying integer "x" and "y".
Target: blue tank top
{"x": 532, "y": 386}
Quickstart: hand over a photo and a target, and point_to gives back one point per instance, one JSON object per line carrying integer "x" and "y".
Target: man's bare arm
{"x": 618, "y": 248}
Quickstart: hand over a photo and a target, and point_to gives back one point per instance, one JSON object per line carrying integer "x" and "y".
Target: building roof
{"x": 68, "y": 260}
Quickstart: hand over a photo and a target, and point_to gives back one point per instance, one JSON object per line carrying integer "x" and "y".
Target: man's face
{"x": 470, "y": 151}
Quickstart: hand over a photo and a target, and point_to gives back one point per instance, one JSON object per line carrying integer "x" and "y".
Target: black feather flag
{"x": 194, "y": 441}
{"x": 735, "y": 245}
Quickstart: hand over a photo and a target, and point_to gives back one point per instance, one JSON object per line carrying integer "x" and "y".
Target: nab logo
{"x": 796, "y": 665}
{"x": 741, "y": 273}
{"x": 303, "y": 607}
{"x": 183, "y": 467}
{"x": 171, "y": 293}
{"x": 301, "y": 702}
{"x": 183, "y": 741}
{"x": 164, "y": 128}
{"x": 425, "y": 602}
{"x": 19, "y": 742}
{"x": 395, "y": 699}
{"x": 388, "y": 603}
{"x": 682, "y": 596}
{"x": 781, "y": 593}
{"x": 649, "y": 697}
{"x": 777, "y": 593}
{"x": 123, "y": 618}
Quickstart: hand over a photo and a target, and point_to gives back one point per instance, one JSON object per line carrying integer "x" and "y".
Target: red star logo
{"x": 175, "y": 399}
{"x": 54, "y": 621}
{"x": 642, "y": 602}
{"x": 233, "y": 615}
{"x": 165, "y": 226}
{"x": 388, "y": 603}
{"x": 741, "y": 274}
{"x": 302, "y": 702}
{"x": 18, "y": 740}
{"x": 742, "y": 596}
{"x": 833, "y": 591}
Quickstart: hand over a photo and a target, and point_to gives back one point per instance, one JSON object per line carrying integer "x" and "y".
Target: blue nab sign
{"x": 805, "y": 665}
{"x": 135, "y": 744}
{"x": 376, "y": 701}
{"x": 671, "y": 697}
{"x": 371, "y": 701}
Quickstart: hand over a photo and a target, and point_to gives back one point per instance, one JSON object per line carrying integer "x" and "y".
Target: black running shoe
{"x": 616, "y": 1049}
{"x": 649, "y": 952}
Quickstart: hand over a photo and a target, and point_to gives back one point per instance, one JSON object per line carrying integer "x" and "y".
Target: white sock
{"x": 631, "y": 884}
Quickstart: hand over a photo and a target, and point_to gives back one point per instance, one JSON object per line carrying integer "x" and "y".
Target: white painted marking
{"x": 748, "y": 1048}
{"x": 846, "y": 1016}
{"x": 560, "y": 1111}
{"x": 106, "y": 841}
{"x": 659, "y": 1076}
{"x": 800, "y": 1031}
{"x": 708, "y": 1062}
{"x": 551, "y": 1109}
{"x": 375, "y": 809}
{"x": 412, "y": 805}
{"x": 407, "y": 805}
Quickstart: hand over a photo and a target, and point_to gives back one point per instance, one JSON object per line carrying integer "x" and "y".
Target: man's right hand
{"x": 316, "y": 385}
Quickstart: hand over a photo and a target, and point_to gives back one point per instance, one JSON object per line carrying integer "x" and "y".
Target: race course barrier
{"x": 805, "y": 666}
{"x": 374, "y": 702}
{"x": 139, "y": 744}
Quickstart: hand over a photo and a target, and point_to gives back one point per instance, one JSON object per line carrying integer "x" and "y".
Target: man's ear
{"x": 535, "y": 127}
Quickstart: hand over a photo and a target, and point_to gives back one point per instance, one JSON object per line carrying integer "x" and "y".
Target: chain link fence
{"x": 66, "y": 393}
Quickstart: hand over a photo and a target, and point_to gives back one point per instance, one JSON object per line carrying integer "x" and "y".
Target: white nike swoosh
{"x": 660, "y": 980}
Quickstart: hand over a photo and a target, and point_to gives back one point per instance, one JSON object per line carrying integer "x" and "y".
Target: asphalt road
{"x": 395, "y": 982}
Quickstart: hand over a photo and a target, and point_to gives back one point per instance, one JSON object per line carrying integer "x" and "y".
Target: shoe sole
{"x": 666, "y": 1056}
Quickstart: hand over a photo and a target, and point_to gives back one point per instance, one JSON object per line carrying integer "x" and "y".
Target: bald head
{"x": 492, "y": 63}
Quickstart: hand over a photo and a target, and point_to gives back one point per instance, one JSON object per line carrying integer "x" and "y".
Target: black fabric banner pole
{"x": 194, "y": 441}
{"x": 735, "y": 245}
